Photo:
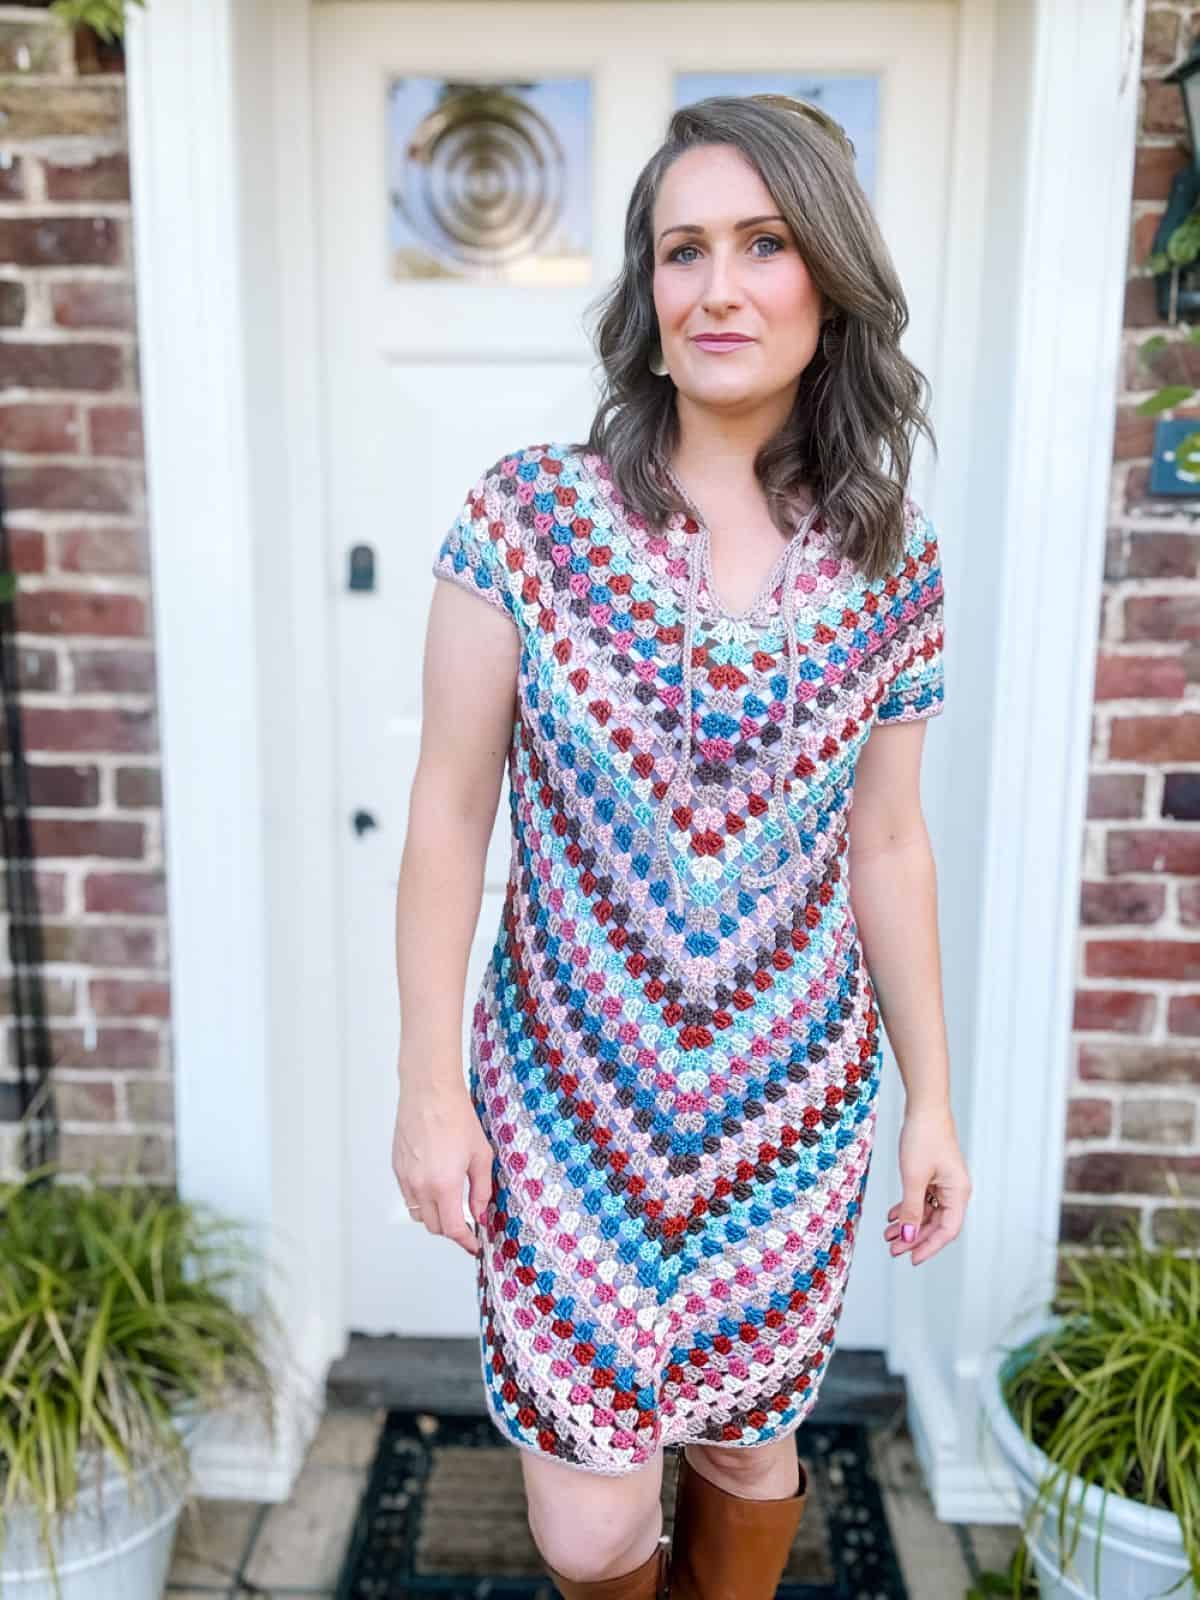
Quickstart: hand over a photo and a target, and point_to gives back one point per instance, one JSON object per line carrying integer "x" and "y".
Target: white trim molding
{"x": 192, "y": 352}
{"x": 230, "y": 392}
{"x": 1078, "y": 164}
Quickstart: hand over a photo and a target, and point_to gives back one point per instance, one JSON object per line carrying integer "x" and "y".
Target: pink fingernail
{"x": 909, "y": 1231}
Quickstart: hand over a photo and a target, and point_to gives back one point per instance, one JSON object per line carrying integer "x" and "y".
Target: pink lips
{"x": 720, "y": 341}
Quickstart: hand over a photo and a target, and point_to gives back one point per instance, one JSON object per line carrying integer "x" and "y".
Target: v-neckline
{"x": 771, "y": 579}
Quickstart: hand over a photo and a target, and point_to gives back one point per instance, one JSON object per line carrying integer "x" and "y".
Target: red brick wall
{"x": 1134, "y": 1113}
{"x": 71, "y": 457}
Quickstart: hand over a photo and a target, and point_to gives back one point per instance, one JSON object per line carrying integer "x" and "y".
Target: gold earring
{"x": 656, "y": 363}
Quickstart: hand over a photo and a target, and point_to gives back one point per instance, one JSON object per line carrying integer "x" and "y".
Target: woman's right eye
{"x": 673, "y": 254}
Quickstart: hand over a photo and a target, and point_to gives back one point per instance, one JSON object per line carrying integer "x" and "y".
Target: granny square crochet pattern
{"x": 675, "y": 1049}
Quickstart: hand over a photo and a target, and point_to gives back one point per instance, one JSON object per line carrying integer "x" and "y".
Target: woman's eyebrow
{"x": 698, "y": 227}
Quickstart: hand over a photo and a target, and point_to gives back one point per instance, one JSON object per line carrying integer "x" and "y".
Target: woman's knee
{"x": 588, "y": 1525}
{"x": 764, "y": 1471}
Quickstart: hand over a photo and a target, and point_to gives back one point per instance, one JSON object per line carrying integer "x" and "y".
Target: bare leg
{"x": 759, "y": 1472}
{"x": 588, "y": 1525}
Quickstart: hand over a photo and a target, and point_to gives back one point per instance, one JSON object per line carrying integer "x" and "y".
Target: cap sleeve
{"x": 481, "y": 550}
{"x": 914, "y": 682}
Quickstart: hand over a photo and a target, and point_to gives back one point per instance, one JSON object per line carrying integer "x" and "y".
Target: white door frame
{"x": 229, "y": 340}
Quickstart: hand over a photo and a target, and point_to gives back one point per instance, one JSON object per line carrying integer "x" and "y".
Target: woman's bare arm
{"x": 893, "y": 892}
{"x": 469, "y": 680}
{"x": 893, "y": 889}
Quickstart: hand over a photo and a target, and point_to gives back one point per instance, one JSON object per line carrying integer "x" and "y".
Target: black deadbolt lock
{"x": 362, "y": 567}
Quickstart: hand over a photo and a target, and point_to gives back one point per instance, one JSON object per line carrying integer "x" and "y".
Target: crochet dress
{"x": 675, "y": 1049}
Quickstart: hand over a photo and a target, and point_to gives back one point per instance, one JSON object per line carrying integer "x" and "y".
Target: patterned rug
{"x": 443, "y": 1513}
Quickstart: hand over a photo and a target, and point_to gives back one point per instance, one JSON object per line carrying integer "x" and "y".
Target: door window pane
{"x": 490, "y": 180}
{"x": 851, "y": 100}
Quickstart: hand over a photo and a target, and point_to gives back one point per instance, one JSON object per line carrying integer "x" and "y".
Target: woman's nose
{"x": 721, "y": 284}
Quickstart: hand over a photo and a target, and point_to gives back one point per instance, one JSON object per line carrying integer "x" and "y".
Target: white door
{"x": 432, "y": 375}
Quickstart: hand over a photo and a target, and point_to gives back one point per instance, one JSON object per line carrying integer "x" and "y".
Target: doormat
{"x": 443, "y": 1514}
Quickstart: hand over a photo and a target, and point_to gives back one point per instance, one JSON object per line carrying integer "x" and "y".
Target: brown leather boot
{"x": 645, "y": 1582}
{"x": 727, "y": 1546}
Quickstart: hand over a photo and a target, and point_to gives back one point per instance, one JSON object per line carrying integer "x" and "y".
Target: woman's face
{"x": 725, "y": 262}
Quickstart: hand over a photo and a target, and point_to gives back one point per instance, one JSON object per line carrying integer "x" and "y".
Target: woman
{"x": 704, "y": 628}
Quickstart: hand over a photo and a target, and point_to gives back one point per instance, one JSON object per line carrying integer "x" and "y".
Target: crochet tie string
{"x": 681, "y": 778}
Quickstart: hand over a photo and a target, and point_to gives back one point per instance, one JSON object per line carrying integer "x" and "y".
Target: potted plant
{"x": 1097, "y": 1409}
{"x": 119, "y": 1333}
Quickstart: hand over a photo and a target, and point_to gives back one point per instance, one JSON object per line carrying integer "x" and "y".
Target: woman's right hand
{"x": 439, "y": 1140}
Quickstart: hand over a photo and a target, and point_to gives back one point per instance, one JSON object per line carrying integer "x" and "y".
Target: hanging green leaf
{"x": 1184, "y": 244}
{"x": 106, "y": 18}
{"x": 1175, "y": 394}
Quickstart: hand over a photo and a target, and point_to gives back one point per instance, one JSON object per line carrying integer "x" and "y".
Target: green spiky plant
{"x": 117, "y": 1310}
{"x": 1112, "y": 1395}
{"x": 1006, "y": 1582}
{"x": 106, "y": 18}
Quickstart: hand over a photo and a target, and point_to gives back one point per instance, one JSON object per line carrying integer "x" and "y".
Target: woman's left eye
{"x": 763, "y": 238}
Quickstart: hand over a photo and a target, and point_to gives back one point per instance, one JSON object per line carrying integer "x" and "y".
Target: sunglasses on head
{"x": 787, "y": 102}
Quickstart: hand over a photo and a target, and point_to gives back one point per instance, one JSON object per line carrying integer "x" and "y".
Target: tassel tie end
{"x": 681, "y": 778}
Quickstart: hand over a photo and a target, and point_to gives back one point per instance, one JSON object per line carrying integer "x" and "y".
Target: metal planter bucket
{"x": 1140, "y": 1553}
{"x": 109, "y": 1547}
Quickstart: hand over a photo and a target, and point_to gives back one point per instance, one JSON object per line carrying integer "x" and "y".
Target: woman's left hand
{"x": 936, "y": 1183}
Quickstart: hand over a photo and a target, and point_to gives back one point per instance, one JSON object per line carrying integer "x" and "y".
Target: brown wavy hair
{"x": 859, "y": 405}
